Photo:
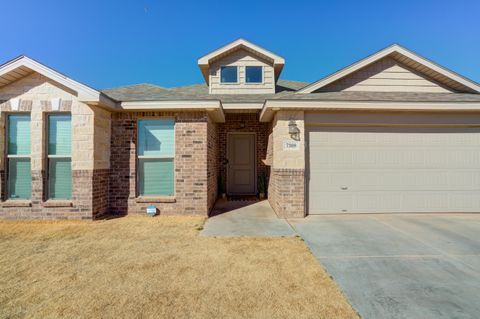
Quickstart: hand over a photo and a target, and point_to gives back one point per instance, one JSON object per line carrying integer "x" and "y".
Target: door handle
{"x": 344, "y": 188}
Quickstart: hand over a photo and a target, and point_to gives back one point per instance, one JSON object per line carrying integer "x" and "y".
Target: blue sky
{"x": 112, "y": 43}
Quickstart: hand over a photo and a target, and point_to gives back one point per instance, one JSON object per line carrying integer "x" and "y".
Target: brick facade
{"x": 243, "y": 122}
{"x": 85, "y": 202}
{"x": 104, "y": 177}
{"x": 191, "y": 170}
{"x": 287, "y": 192}
{"x": 212, "y": 163}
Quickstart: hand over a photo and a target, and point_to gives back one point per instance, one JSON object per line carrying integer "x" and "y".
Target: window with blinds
{"x": 59, "y": 156}
{"x": 155, "y": 156}
{"x": 19, "y": 178}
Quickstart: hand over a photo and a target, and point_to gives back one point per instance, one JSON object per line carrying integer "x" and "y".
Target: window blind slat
{"x": 156, "y": 177}
{"x": 19, "y": 178}
{"x": 60, "y": 178}
{"x": 156, "y": 137}
{"x": 19, "y": 134}
{"x": 59, "y": 135}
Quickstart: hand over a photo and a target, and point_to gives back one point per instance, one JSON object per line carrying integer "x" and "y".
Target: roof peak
{"x": 394, "y": 49}
{"x": 205, "y": 61}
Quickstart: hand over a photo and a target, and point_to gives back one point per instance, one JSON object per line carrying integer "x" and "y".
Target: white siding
{"x": 241, "y": 59}
{"x": 386, "y": 75}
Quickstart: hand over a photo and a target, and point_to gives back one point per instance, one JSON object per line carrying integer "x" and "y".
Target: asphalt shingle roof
{"x": 286, "y": 90}
{"x": 151, "y": 92}
{"x": 383, "y": 97}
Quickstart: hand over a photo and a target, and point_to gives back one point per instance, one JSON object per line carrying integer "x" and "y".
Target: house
{"x": 391, "y": 133}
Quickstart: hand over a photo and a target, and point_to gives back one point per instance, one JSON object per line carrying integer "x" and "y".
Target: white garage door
{"x": 393, "y": 169}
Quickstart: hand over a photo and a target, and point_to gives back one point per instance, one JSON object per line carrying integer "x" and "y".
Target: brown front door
{"x": 241, "y": 164}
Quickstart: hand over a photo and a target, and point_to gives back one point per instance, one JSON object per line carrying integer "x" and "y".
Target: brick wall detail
{"x": 88, "y": 188}
{"x": 191, "y": 181}
{"x": 287, "y": 192}
{"x": 212, "y": 163}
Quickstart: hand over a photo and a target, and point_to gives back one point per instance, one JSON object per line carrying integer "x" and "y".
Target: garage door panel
{"x": 393, "y": 169}
{"x": 395, "y": 136}
{"x": 407, "y": 180}
{"x": 395, "y": 202}
{"x": 396, "y": 158}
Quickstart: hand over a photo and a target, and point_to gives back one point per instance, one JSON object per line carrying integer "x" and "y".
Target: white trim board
{"x": 213, "y": 107}
{"x": 271, "y": 107}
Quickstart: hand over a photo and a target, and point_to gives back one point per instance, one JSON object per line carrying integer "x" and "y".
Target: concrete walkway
{"x": 256, "y": 219}
{"x": 401, "y": 266}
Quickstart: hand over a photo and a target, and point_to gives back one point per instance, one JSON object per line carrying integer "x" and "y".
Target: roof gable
{"x": 386, "y": 75}
{"x": 23, "y": 66}
{"x": 406, "y": 59}
{"x": 205, "y": 61}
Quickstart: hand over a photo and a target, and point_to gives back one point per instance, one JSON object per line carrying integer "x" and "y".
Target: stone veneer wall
{"x": 244, "y": 122}
{"x": 191, "y": 155}
{"x": 90, "y": 127}
{"x": 287, "y": 177}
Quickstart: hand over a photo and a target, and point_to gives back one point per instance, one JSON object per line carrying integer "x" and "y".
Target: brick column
{"x": 287, "y": 177}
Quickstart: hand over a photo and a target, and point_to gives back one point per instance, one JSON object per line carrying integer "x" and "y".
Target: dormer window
{"x": 229, "y": 74}
{"x": 253, "y": 74}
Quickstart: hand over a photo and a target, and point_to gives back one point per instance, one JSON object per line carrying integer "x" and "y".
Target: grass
{"x": 140, "y": 267}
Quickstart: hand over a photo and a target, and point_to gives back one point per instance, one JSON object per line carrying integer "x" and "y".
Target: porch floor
{"x": 245, "y": 218}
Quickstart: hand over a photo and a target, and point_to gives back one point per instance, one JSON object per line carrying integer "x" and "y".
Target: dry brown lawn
{"x": 140, "y": 267}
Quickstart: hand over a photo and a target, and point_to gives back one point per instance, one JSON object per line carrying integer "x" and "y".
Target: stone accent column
{"x": 287, "y": 177}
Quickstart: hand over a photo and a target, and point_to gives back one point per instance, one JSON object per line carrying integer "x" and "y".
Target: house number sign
{"x": 291, "y": 145}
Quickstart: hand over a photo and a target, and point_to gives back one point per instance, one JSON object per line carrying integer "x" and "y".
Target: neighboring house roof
{"x": 196, "y": 92}
{"x": 204, "y": 62}
{"x": 409, "y": 58}
{"x": 23, "y": 66}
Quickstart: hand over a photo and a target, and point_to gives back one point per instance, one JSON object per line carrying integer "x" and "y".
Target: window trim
{"x": 7, "y": 156}
{"x": 238, "y": 74}
{"x": 49, "y": 156}
{"x": 139, "y": 196}
{"x": 262, "y": 71}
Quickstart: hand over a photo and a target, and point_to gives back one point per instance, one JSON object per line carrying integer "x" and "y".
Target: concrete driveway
{"x": 401, "y": 266}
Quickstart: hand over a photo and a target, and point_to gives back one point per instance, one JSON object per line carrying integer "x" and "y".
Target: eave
{"x": 272, "y": 106}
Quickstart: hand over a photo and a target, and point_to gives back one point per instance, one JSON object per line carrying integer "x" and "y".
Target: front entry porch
{"x": 242, "y": 151}
{"x": 245, "y": 218}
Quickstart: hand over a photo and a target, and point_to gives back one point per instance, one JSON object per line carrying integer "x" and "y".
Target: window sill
{"x": 17, "y": 203}
{"x": 155, "y": 199}
{"x": 57, "y": 203}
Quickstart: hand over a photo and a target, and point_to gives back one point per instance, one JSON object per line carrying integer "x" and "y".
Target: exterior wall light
{"x": 293, "y": 130}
